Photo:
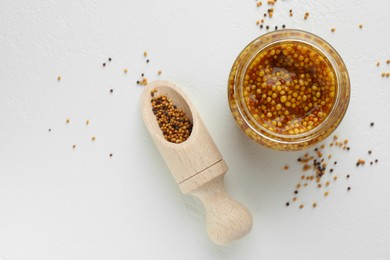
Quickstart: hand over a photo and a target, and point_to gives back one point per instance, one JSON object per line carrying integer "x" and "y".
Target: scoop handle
{"x": 226, "y": 219}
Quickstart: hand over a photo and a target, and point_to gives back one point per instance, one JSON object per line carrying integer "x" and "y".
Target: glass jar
{"x": 262, "y": 131}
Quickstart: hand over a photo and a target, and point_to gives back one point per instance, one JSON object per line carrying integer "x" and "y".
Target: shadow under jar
{"x": 288, "y": 90}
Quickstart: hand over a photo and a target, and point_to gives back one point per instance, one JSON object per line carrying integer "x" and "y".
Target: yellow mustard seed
{"x": 125, "y": 70}
{"x": 292, "y": 85}
{"x": 314, "y": 205}
{"x": 301, "y": 206}
{"x": 87, "y": 122}
{"x": 67, "y": 121}
{"x": 144, "y": 81}
{"x": 361, "y": 26}
{"x": 58, "y": 78}
{"x": 145, "y": 53}
{"x": 326, "y": 193}
{"x": 333, "y": 29}
{"x": 93, "y": 138}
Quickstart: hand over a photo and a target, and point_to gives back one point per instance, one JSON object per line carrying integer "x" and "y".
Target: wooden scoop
{"x": 197, "y": 166}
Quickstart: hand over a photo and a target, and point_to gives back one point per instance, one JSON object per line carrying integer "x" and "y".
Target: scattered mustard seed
{"x": 145, "y": 54}
{"x": 74, "y": 146}
{"x": 378, "y": 63}
{"x": 361, "y": 26}
{"x": 58, "y": 78}
{"x": 333, "y": 29}
{"x": 67, "y": 120}
{"x": 314, "y": 205}
{"x": 144, "y": 81}
{"x": 93, "y": 138}
{"x": 125, "y": 70}
{"x": 326, "y": 193}
{"x": 285, "y": 167}
{"x": 87, "y": 122}
{"x": 360, "y": 162}
{"x": 301, "y": 206}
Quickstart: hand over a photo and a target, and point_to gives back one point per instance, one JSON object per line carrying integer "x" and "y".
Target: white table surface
{"x": 60, "y": 203}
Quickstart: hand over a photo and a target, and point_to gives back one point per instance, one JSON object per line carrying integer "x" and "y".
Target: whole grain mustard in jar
{"x": 288, "y": 90}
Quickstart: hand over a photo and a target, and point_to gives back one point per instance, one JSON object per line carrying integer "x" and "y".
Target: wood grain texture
{"x": 197, "y": 166}
{"x": 188, "y": 158}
